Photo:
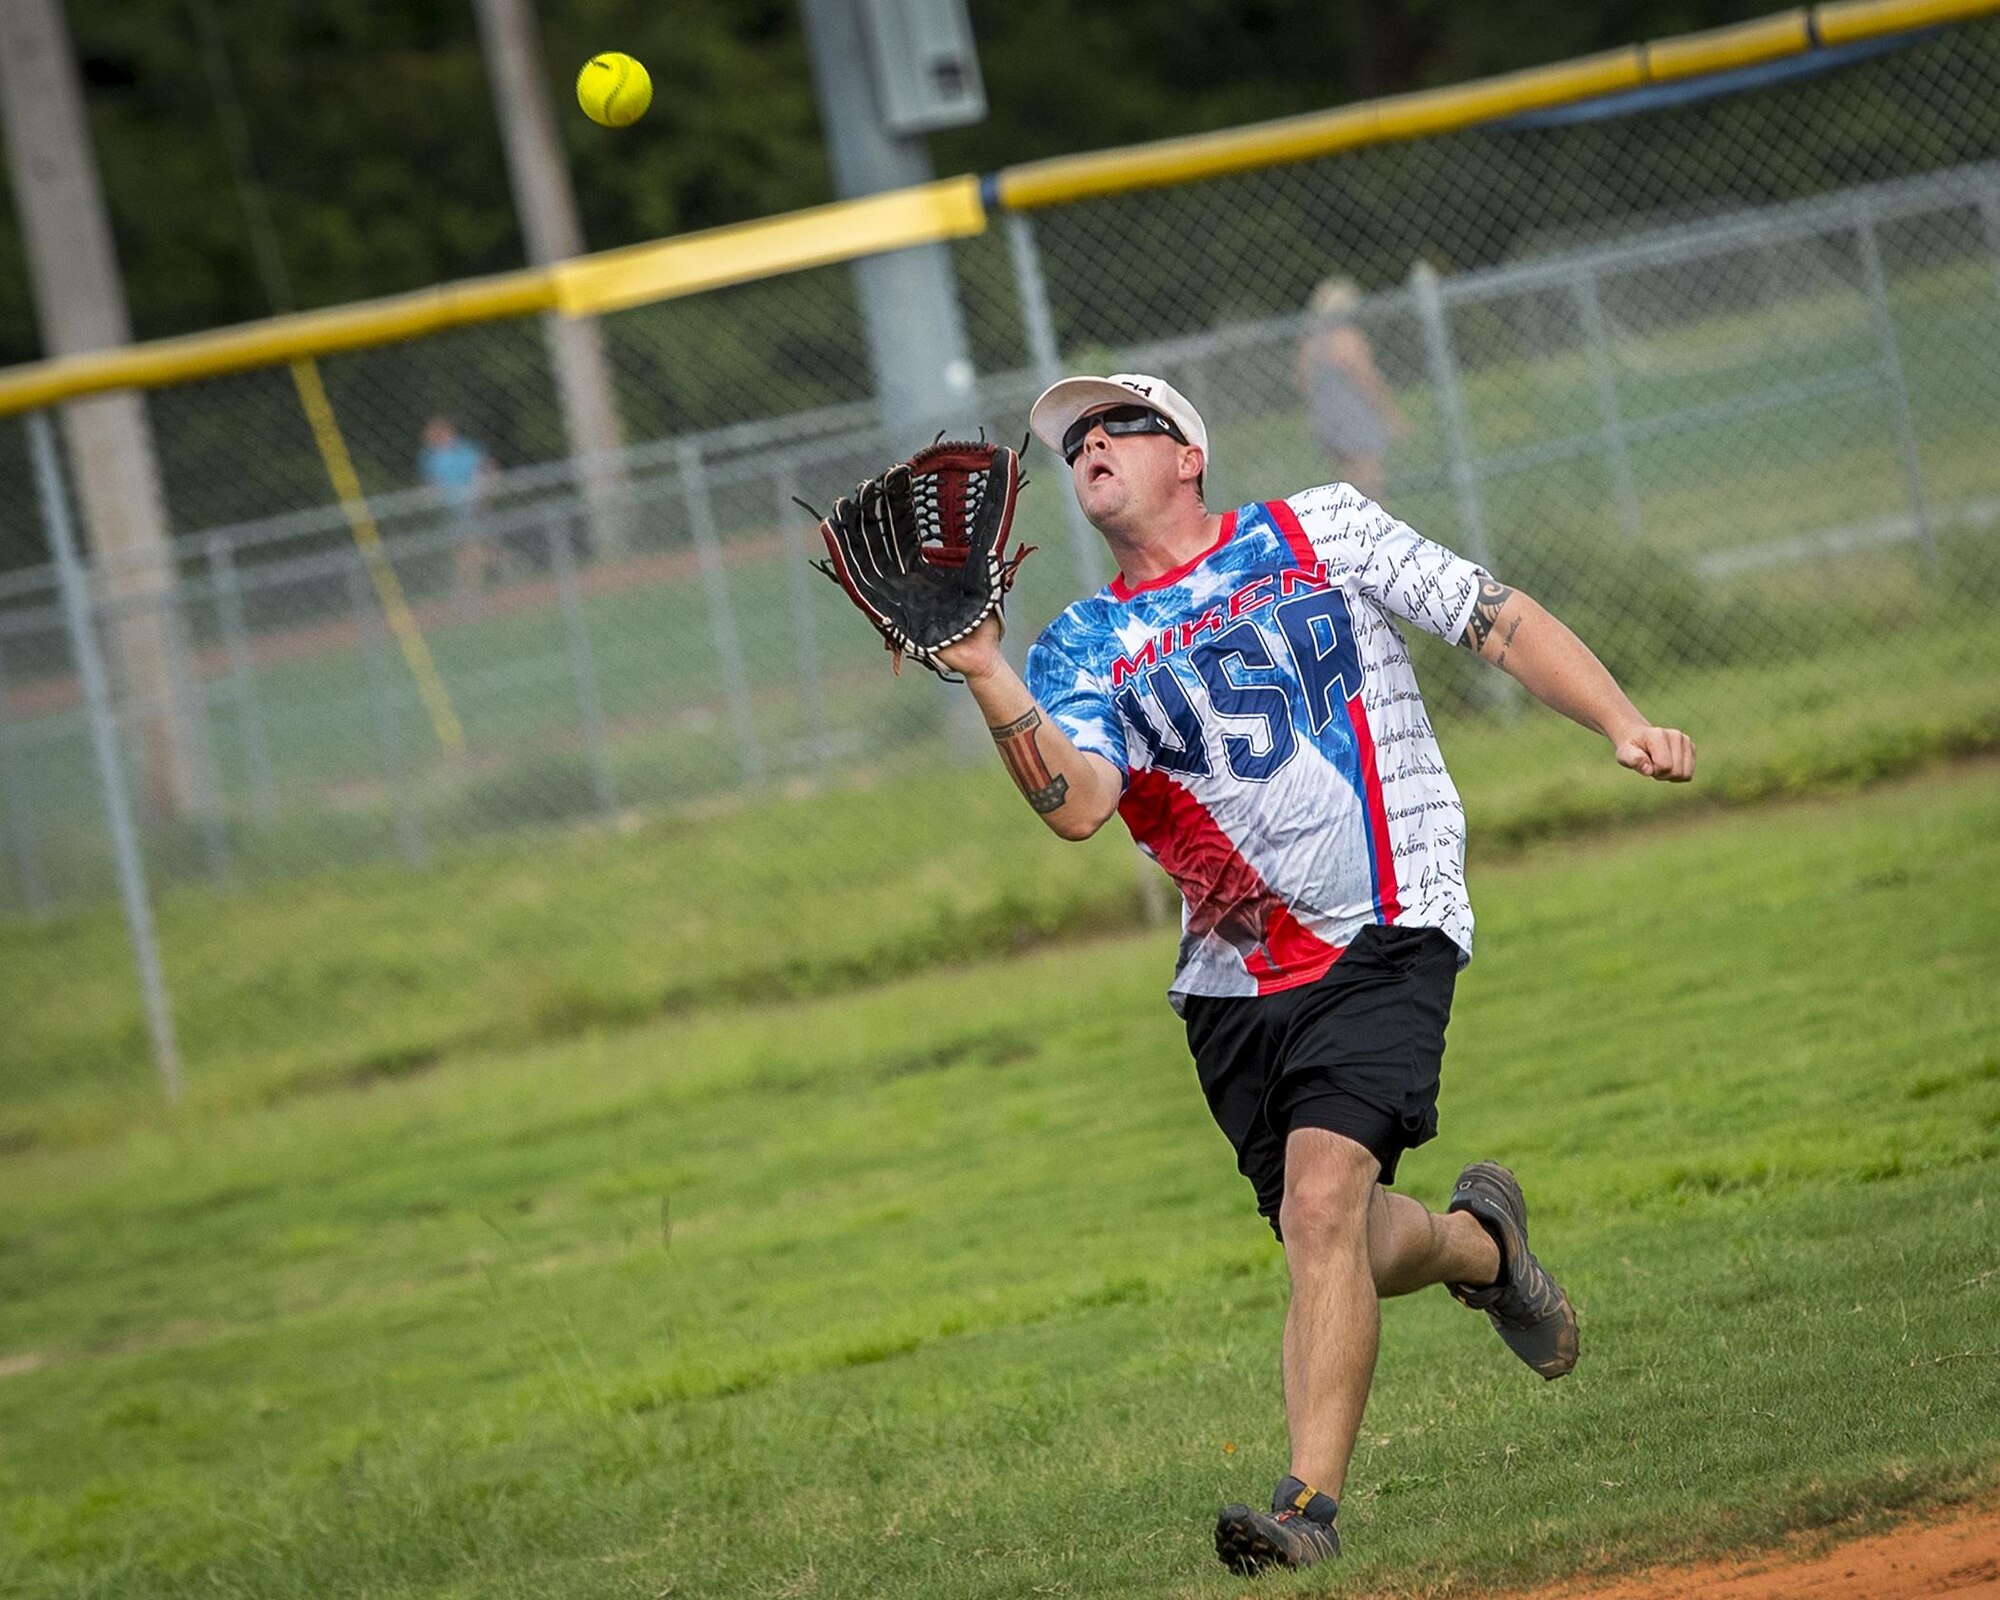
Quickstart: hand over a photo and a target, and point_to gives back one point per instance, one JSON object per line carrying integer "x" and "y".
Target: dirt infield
{"x": 1948, "y": 1556}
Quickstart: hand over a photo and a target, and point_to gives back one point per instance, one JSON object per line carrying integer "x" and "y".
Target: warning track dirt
{"x": 1952, "y": 1556}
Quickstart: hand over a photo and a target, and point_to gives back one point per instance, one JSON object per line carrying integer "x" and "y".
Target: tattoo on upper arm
{"x": 1045, "y": 790}
{"x": 1493, "y": 594}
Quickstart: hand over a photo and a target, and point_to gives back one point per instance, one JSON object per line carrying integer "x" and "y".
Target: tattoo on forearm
{"x": 1507, "y": 642}
{"x": 1493, "y": 594}
{"x": 1045, "y": 790}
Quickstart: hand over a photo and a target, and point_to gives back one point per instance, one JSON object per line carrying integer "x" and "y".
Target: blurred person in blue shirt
{"x": 460, "y": 474}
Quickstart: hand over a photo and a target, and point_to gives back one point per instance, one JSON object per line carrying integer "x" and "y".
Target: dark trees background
{"x": 378, "y": 149}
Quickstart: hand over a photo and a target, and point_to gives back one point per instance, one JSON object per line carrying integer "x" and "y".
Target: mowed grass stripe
{"x": 948, "y": 1288}
{"x": 317, "y": 985}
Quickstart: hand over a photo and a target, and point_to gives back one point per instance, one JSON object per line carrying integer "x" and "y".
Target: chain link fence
{"x": 1715, "y": 375}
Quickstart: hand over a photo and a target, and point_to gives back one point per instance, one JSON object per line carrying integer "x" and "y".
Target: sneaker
{"x": 1299, "y": 1532}
{"x": 1527, "y": 1307}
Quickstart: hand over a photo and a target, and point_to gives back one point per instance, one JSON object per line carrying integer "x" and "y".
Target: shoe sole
{"x": 1548, "y": 1364}
{"x": 1246, "y": 1550}
{"x": 1240, "y": 1547}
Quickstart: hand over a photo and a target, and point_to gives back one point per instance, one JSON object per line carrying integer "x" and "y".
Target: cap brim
{"x": 1062, "y": 403}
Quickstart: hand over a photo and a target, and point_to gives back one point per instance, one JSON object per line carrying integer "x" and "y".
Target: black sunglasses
{"x": 1119, "y": 419}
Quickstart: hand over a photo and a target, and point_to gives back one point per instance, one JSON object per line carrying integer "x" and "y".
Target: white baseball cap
{"x": 1062, "y": 403}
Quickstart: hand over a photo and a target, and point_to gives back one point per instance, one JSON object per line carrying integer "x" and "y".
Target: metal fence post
{"x": 242, "y": 681}
{"x": 1893, "y": 378}
{"x": 409, "y": 826}
{"x": 20, "y": 811}
{"x": 1043, "y": 351}
{"x": 104, "y": 746}
{"x": 582, "y": 662}
{"x": 805, "y": 634}
{"x": 1428, "y": 292}
{"x": 214, "y": 835}
{"x": 1597, "y": 345}
{"x": 721, "y": 619}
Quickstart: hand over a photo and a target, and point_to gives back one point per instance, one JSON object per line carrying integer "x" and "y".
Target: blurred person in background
{"x": 460, "y": 474}
{"x": 1353, "y": 414}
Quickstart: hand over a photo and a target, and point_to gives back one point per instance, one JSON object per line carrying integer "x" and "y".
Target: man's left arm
{"x": 1519, "y": 635}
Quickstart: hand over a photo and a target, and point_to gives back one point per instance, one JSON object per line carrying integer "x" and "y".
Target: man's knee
{"x": 1329, "y": 1181}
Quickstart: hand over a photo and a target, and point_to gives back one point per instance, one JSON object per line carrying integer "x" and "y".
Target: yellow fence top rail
{"x": 1845, "y": 21}
{"x": 952, "y": 208}
{"x": 1410, "y": 116}
{"x": 1745, "y": 44}
{"x": 644, "y": 273}
{"x": 161, "y": 362}
{"x": 609, "y": 281}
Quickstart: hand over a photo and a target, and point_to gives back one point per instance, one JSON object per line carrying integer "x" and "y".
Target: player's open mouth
{"x": 1100, "y": 468}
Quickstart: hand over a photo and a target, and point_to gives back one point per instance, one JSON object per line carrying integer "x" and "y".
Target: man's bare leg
{"x": 1347, "y": 1240}
{"x": 1411, "y": 1248}
{"x": 1332, "y": 1323}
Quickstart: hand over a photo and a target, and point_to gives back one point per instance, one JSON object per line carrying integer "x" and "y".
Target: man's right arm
{"x": 1522, "y": 638}
{"x": 1074, "y": 791}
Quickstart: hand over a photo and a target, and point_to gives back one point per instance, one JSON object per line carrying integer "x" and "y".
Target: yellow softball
{"x": 614, "y": 90}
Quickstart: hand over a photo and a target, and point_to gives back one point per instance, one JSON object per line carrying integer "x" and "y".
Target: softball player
{"x": 1241, "y": 696}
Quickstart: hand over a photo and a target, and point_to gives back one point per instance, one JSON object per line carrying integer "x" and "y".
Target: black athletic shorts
{"x": 1356, "y": 1052}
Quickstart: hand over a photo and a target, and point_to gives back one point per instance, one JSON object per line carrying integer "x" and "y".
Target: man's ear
{"x": 1192, "y": 463}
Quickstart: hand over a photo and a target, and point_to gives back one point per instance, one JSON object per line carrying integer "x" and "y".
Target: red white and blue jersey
{"x": 1278, "y": 760}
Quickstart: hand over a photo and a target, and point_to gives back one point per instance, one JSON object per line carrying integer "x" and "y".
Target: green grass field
{"x": 940, "y": 1283}
{"x": 347, "y": 977}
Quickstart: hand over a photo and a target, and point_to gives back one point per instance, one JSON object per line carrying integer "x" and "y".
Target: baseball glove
{"x": 922, "y": 549}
